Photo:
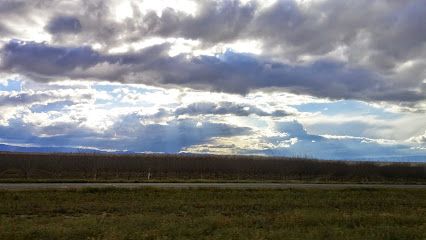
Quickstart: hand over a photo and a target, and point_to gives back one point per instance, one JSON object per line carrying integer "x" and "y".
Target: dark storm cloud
{"x": 222, "y": 108}
{"x": 230, "y": 72}
{"x": 64, "y": 24}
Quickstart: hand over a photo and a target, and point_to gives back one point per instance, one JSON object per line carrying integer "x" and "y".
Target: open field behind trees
{"x": 162, "y": 167}
{"x": 213, "y": 214}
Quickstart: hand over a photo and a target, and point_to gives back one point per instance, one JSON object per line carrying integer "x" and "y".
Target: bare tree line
{"x": 216, "y": 167}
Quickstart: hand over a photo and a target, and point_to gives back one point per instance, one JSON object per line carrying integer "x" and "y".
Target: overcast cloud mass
{"x": 322, "y": 78}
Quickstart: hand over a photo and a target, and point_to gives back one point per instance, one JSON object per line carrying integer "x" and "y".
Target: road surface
{"x": 39, "y": 186}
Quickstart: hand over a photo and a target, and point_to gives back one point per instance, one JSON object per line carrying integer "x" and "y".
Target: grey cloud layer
{"x": 382, "y": 33}
{"x": 222, "y": 108}
{"x": 231, "y": 72}
{"x": 375, "y": 39}
{"x": 31, "y": 97}
{"x": 216, "y": 21}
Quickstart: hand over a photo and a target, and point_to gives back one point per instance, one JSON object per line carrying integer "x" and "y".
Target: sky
{"x": 327, "y": 79}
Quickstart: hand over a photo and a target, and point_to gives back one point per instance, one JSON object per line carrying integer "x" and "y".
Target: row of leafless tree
{"x": 163, "y": 166}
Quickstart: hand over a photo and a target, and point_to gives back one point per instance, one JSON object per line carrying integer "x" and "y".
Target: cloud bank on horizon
{"x": 321, "y": 78}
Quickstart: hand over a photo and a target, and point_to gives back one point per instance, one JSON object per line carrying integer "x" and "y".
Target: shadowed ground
{"x": 153, "y": 213}
{"x": 40, "y": 186}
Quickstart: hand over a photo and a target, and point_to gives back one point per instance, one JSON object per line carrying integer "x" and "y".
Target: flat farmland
{"x": 213, "y": 214}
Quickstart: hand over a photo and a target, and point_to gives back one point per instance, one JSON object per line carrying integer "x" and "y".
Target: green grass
{"x": 213, "y": 214}
{"x": 182, "y": 180}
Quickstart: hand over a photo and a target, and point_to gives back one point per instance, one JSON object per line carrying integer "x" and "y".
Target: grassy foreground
{"x": 213, "y": 214}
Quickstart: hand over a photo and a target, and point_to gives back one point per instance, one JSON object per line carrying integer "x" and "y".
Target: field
{"x": 213, "y": 214}
{"x": 150, "y": 213}
{"x": 16, "y": 167}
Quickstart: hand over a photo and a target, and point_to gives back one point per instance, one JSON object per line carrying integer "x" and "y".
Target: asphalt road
{"x": 40, "y": 186}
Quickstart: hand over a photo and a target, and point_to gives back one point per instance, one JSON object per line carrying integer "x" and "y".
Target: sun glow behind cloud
{"x": 186, "y": 6}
